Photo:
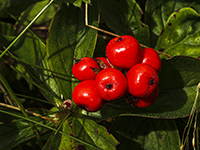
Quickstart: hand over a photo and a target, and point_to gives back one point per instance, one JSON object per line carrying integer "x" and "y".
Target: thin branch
{"x": 190, "y": 119}
{"x": 29, "y": 112}
{"x": 93, "y": 27}
{"x": 27, "y": 27}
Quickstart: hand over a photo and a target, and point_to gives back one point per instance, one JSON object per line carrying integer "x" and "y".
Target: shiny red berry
{"x": 86, "y": 97}
{"x": 142, "y": 80}
{"x": 146, "y": 101}
{"x": 150, "y": 57}
{"x": 123, "y": 52}
{"x": 83, "y": 69}
{"x": 111, "y": 84}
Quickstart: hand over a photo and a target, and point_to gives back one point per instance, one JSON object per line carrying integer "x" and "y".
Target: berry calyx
{"x": 150, "y": 57}
{"x": 86, "y": 97}
{"x": 111, "y": 84}
{"x": 83, "y": 69}
{"x": 119, "y": 39}
{"x": 123, "y": 52}
{"x": 146, "y": 101}
{"x": 142, "y": 80}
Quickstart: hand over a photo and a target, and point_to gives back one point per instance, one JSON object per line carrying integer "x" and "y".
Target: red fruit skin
{"x": 142, "y": 80}
{"x": 82, "y": 69}
{"x": 105, "y": 61}
{"x": 150, "y": 57}
{"x": 86, "y": 97}
{"x": 111, "y": 84}
{"x": 146, "y": 101}
{"x": 123, "y": 52}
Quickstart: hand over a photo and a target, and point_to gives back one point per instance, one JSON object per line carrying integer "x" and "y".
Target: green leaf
{"x": 6, "y": 28}
{"x": 145, "y": 133}
{"x": 100, "y": 48}
{"x": 66, "y": 142}
{"x": 181, "y": 35}
{"x": 53, "y": 142}
{"x": 88, "y": 130}
{"x": 77, "y": 3}
{"x": 179, "y": 78}
{"x": 31, "y": 51}
{"x": 24, "y": 72}
{"x": 9, "y": 134}
{"x": 14, "y": 131}
{"x": 33, "y": 10}
{"x": 157, "y": 13}
{"x": 125, "y": 19}
{"x": 14, "y": 7}
{"x": 69, "y": 38}
{"x": 85, "y": 130}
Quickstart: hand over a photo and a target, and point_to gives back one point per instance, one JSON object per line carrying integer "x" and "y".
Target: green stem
{"x": 38, "y": 123}
{"x": 40, "y": 87}
{"x": 6, "y": 95}
{"x": 197, "y": 137}
{"x": 61, "y": 123}
{"x": 39, "y": 67}
{"x": 28, "y": 97}
{"x": 190, "y": 119}
{"x": 25, "y": 29}
{"x": 12, "y": 94}
{"x": 31, "y": 31}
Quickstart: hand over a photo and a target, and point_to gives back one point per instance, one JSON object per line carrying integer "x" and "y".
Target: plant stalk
{"x": 31, "y": 31}
{"x": 12, "y": 94}
{"x": 63, "y": 133}
{"x": 27, "y": 27}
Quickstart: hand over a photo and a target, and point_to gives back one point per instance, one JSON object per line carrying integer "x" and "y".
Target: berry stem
{"x": 101, "y": 63}
{"x": 164, "y": 54}
{"x": 96, "y": 70}
{"x": 93, "y": 27}
{"x": 119, "y": 39}
{"x": 144, "y": 46}
{"x": 77, "y": 60}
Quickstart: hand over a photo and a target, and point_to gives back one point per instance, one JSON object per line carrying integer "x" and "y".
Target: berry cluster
{"x": 127, "y": 70}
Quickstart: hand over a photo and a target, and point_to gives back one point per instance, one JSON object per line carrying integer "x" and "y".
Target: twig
{"x": 29, "y": 112}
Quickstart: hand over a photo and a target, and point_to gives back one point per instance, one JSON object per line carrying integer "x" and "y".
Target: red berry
{"x": 150, "y": 57}
{"x": 111, "y": 84}
{"x": 86, "y": 97}
{"x": 142, "y": 80}
{"x": 105, "y": 61}
{"x": 83, "y": 69}
{"x": 146, "y": 101}
{"x": 123, "y": 52}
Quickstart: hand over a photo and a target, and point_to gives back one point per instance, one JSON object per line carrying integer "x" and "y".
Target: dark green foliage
{"x": 172, "y": 27}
